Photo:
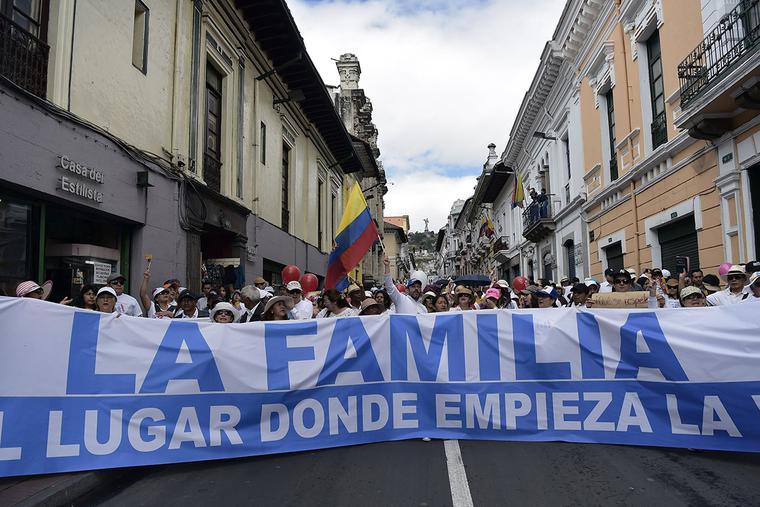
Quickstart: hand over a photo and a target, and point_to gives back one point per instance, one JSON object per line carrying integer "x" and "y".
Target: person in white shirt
{"x": 753, "y": 289}
{"x": 302, "y": 308}
{"x": 734, "y": 293}
{"x": 405, "y": 303}
{"x": 125, "y": 304}
{"x": 671, "y": 297}
{"x": 188, "y": 306}
{"x": 253, "y": 306}
{"x": 203, "y": 301}
{"x": 606, "y": 285}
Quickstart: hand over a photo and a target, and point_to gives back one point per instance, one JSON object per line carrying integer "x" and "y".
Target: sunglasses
{"x": 117, "y": 282}
{"x": 735, "y": 277}
{"x": 622, "y": 281}
{"x": 225, "y": 312}
{"x": 294, "y": 292}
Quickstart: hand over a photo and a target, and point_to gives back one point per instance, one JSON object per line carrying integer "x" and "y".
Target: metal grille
{"x": 212, "y": 172}
{"x": 536, "y": 211}
{"x": 23, "y": 57}
{"x": 736, "y": 36}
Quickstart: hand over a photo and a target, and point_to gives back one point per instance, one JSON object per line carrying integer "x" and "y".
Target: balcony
{"x": 23, "y": 58}
{"x": 500, "y": 247}
{"x": 719, "y": 79}
{"x": 538, "y": 221}
{"x": 212, "y": 172}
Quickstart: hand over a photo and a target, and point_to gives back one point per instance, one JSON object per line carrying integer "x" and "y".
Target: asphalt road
{"x": 416, "y": 473}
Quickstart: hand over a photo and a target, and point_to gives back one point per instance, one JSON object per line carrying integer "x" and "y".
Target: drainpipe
{"x": 634, "y": 204}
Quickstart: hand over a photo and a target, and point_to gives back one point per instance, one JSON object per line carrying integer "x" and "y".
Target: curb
{"x": 58, "y": 489}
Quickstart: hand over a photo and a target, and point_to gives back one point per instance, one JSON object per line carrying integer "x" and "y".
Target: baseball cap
{"x": 186, "y": 294}
{"x": 580, "y": 288}
{"x": 752, "y": 267}
{"x": 159, "y": 290}
{"x": 294, "y": 285}
{"x": 116, "y": 276}
{"x": 547, "y": 291}
{"x": 590, "y": 281}
{"x": 106, "y": 290}
{"x": 493, "y": 293}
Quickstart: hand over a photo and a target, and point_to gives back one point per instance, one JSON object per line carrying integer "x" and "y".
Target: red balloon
{"x": 290, "y": 273}
{"x": 519, "y": 283}
{"x": 401, "y": 287}
{"x": 309, "y": 282}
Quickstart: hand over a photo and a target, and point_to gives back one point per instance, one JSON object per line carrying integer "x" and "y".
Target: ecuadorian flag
{"x": 518, "y": 195}
{"x": 354, "y": 237}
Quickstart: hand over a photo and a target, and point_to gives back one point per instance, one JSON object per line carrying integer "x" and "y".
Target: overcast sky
{"x": 446, "y": 78}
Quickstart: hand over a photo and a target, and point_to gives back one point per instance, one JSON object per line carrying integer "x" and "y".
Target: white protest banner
{"x": 83, "y": 390}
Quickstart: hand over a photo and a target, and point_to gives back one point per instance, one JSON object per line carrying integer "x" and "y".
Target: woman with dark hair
{"x": 336, "y": 306}
{"x": 382, "y": 297}
{"x": 86, "y": 297}
{"x": 441, "y": 303}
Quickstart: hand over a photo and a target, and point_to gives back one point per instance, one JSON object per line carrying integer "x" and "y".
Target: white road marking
{"x": 460, "y": 488}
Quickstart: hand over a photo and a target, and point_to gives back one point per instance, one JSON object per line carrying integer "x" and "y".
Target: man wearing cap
{"x": 188, "y": 308}
{"x": 125, "y": 304}
{"x": 105, "y": 300}
{"x": 260, "y": 283}
{"x": 622, "y": 282}
{"x": 606, "y": 285}
{"x": 578, "y": 295}
{"x": 546, "y": 297}
{"x": 734, "y": 293}
{"x": 302, "y": 308}
{"x": 404, "y": 303}
{"x": 354, "y": 296}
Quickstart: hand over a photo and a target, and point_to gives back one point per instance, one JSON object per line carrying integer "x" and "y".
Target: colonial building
{"x": 395, "y": 241}
{"x": 198, "y": 133}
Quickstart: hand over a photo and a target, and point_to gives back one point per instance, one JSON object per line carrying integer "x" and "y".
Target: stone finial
{"x": 350, "y": 71}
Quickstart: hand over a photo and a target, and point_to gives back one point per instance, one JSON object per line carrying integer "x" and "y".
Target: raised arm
{"x": 144, "y": 290}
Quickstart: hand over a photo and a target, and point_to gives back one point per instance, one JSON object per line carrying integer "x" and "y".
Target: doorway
{"x": 754, "y": 191}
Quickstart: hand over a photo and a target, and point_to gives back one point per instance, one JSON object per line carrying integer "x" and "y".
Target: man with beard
{"x": 405, "y": 303}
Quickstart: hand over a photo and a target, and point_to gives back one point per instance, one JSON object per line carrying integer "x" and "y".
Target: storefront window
{"x": 15, "y": 245}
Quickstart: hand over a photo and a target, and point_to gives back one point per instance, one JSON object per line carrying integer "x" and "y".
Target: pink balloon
{"x": 723, "y": 269}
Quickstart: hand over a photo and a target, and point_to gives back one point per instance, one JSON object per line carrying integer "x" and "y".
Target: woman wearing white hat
{"x": 106, "y": 300}
{"x": 223, "y": 313}
{"x": 161, "y": 306}
{"x": 277, "y": 308}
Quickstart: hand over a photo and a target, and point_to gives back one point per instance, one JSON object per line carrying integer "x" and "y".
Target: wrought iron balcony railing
{"x": 736, "y": 36}
{"x": 659, "y": 130}
{"x": 23, "y": 57}
{"x": 535, "y": 212}
{"x": 212, "y": 172}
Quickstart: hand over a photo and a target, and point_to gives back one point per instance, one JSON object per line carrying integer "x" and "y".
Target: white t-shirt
{"x": 202, "y": 303}
{"x": 303, "y": 310}
{"x": 672, "y": 302}
{"x": 725, "y": 297}
{"x": 347, "y": 312}
{"x": 127, "y": 305}
{"x": 152, "y": 311}
{"x": 605, "y": 286}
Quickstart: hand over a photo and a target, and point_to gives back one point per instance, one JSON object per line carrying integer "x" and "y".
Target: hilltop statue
{"x": 426, "y": 224}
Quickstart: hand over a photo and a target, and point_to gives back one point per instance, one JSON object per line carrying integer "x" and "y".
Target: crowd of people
{"x": 261, "y": 302}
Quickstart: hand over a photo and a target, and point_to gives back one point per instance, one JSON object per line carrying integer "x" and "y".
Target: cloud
{"x": 446, "y": 78}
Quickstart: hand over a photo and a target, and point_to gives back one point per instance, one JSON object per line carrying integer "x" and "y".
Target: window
{"x": 212, "y": 164}
{"x": 615, "y": 256}
{"x": 570, "y": 250}
{"x": 566, "y": 142}
{"x": 320, "y": 228}
{"x": 27, "y": 14}
{"x": 263, "y": 143}
{"x": 285, "y": 221}
{"x": 609, "y": 99}
{"x": 656, "y": 90}
{"x": 140, "y": 37}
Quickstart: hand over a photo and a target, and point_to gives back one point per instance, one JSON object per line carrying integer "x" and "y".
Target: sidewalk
{"x": 54, "y": 489}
